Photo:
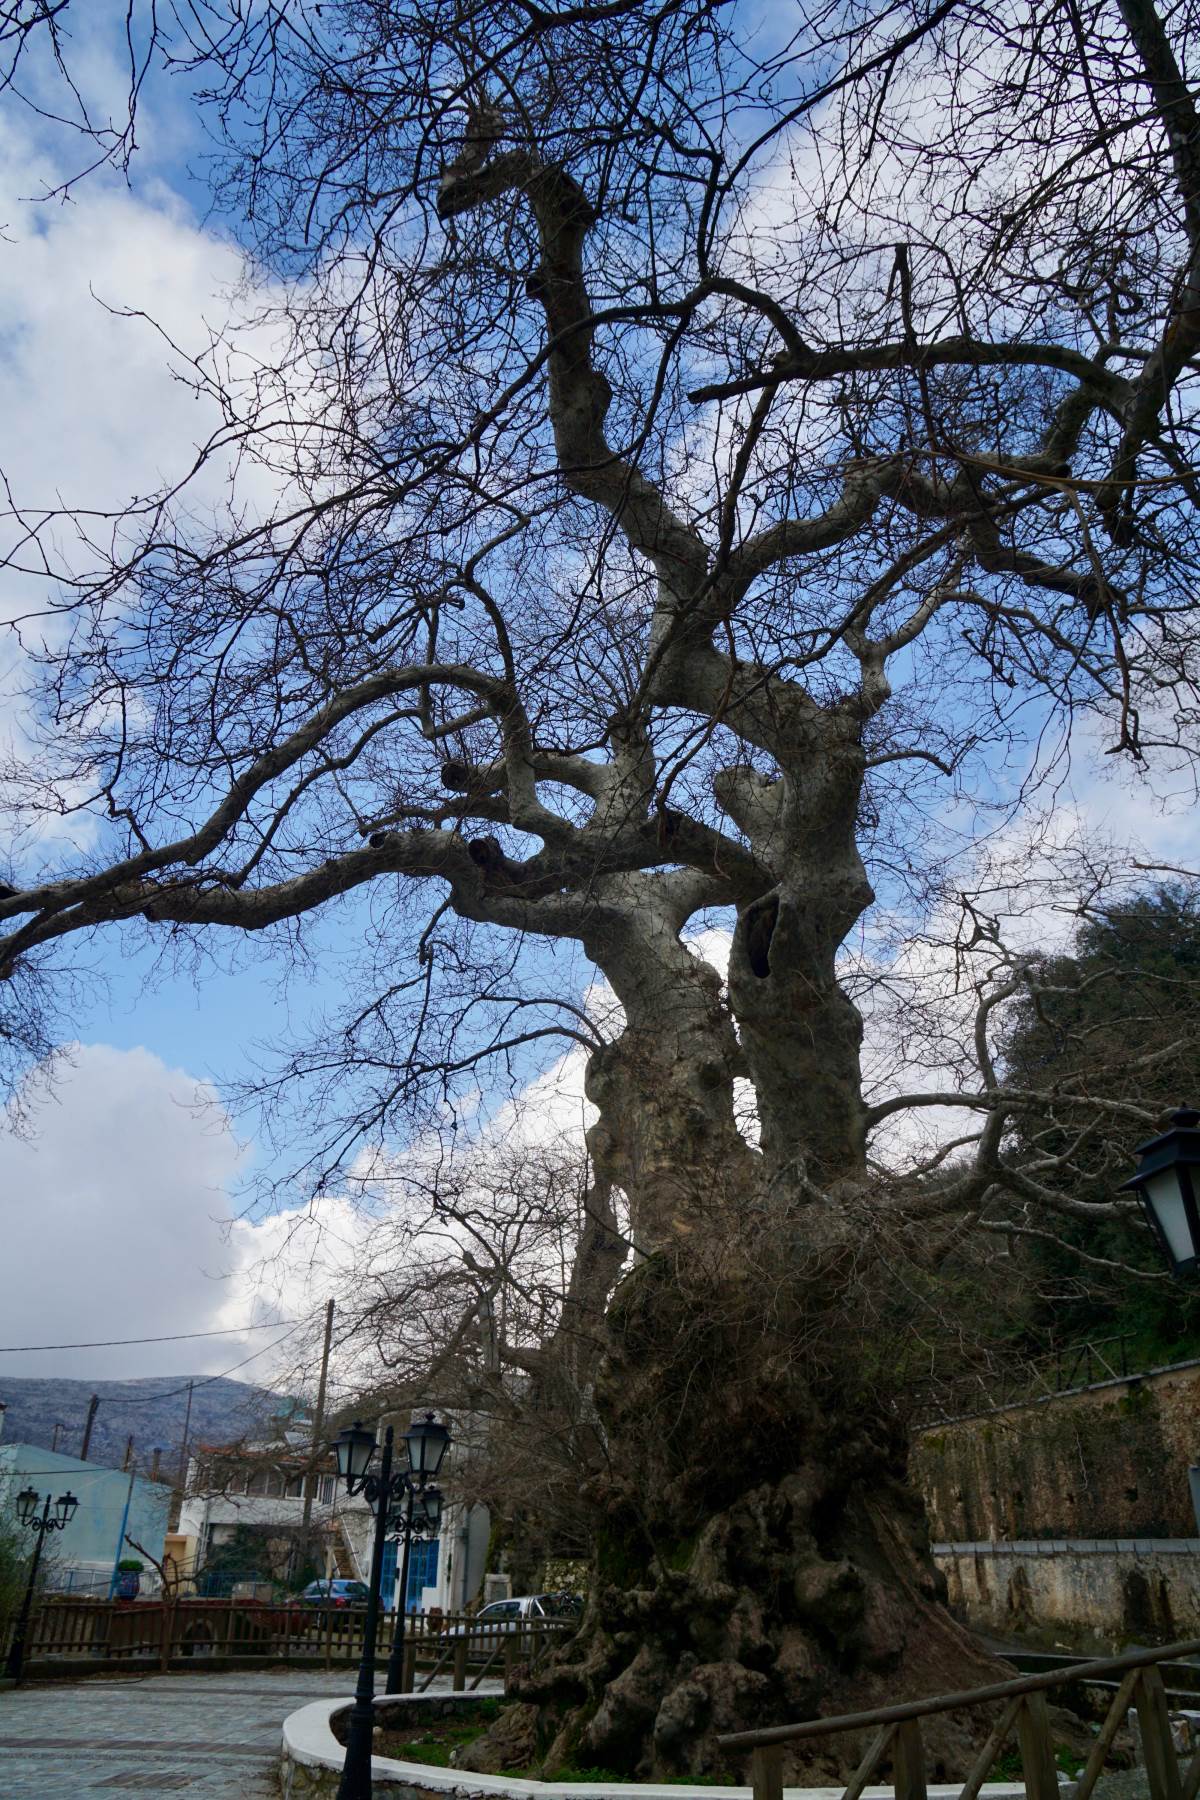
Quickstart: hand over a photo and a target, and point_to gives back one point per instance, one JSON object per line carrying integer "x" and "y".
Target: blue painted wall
{"x": 88, "y": 1545}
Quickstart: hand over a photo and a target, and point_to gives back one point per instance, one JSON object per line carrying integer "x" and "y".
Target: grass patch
{"x": 428, "y": 1744}
{"x": 569, "y": 1773}
{"x": 1007, "y": 1767}
{"x": 432, "y": 1744}
{"x": 725, "y": 1780}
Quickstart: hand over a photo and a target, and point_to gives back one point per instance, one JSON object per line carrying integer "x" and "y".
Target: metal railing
{"x": 189, "y": 1631}
{"x": 1069, "y": 1369}
{"x": 1022, "y": 1710}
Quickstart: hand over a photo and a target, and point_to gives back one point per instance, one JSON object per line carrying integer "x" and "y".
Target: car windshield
{"x": 558, "y": 1604}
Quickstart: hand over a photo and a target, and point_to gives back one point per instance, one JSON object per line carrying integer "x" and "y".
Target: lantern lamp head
{"x": 431, "y": 1502}
{"x": 26, "y": 1504}
{"x": 1167, "y": 1182}
{"x": 354, "y": 1447}
{"x": 426, "y": 1442}
{"x": 67, "y": 1504}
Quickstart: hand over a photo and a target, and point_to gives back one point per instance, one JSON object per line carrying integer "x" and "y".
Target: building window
{"x": 265, "y": 1482}
{"x": 295, "y": 1488}
{"x": 326, "y": 1490}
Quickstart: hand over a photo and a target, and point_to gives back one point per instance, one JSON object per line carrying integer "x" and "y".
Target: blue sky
{"x": 116, "y": 1204}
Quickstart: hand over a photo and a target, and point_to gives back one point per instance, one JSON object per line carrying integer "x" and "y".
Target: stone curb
{"x": 312, "y": 1762}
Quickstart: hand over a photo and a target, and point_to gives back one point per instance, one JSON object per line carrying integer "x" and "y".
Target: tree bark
{"x": 667, "y": 1133}
{"x": 800, "y": 1032}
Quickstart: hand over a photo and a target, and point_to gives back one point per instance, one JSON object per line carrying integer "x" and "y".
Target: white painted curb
{"x": 308, "y": 1740}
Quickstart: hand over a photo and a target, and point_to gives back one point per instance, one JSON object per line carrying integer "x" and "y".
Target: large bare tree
{"x": 717, "y": 464}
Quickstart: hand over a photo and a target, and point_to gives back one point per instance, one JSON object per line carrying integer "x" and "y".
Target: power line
{"x": 187, "y": 1388}
{"x": 146, "y": 1399}
{"x": 74, "y": 1474}
{"x": 205, "y": 1380}
{"x": 175, "y": 1337}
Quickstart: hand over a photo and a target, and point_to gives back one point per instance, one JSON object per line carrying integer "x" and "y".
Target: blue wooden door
{"x": 422, "y": 1571}
{"x": 387, "y": 1579}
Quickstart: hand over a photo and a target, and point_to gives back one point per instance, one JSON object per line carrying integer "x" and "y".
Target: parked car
{"x": 504, "y": 1616}
{"x": 338, "y": 1592}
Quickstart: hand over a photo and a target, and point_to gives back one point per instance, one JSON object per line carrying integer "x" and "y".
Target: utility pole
{"x": 187, "y": 1419}
{"x": 310, "y": 1480}
{"x": 112, "y": 1580}
{"x": 128, "y": 1451}
{"x": 58, "y": 1426}
{"x": 93, "y": 1403}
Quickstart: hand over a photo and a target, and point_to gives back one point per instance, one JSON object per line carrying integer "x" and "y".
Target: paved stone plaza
{"x": 213, "y": 1737}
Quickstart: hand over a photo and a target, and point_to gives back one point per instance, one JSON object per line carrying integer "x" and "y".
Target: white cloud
{"x": 114, "y": 1215}
{"x": 93, "y": 411}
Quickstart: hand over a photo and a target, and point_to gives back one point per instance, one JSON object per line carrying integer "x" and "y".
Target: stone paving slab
{"x": 208, "y": 1738}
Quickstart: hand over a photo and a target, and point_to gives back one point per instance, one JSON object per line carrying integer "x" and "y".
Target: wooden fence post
{"x": 1037, "y": 1749}
{"x": 461, "y": 1647}
{"x": 908, "y": 1761}
{"x": 766, "y": 1772}
{"x": 408, "y": 1667}
{"x": 1162, "y": 1765}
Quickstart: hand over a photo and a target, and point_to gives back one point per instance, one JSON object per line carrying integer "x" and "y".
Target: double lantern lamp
{"x": 39, "y": 1516}
{"x": 64, "y": 1507}
{"x": 425, "y": 1442}
{"x": 406, "y": 1502}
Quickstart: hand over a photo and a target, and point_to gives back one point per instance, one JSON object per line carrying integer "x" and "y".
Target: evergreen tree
{"x": 1119, "y": 1022}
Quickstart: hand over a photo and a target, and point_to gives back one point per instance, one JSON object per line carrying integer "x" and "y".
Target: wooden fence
{"x": 1021, "y": 1711}
{"x": 187, "y": 1631}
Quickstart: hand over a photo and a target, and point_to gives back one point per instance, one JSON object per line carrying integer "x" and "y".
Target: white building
{"x": 261, "y": 1485}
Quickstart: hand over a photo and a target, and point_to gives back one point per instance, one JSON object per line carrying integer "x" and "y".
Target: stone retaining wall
{"x": 1092, "y": 1593}
{"x": 1109, "y": 1461}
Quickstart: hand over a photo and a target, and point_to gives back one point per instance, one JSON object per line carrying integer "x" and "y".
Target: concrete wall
{"x": 88, "y": 1547}
{"x": 1089, "y": 1594}
{"x": 1106, "y": 1462}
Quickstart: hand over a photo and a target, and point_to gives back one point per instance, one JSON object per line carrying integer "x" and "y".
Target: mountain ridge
{"x": 150, "y": 1408}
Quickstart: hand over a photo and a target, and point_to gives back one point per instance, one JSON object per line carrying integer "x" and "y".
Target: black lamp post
{"x": 1167, "y": 1182}
{"x": 426, "y": 1442}
{"x": 27, "y": 1514}
{"x": 355, "y": 1448}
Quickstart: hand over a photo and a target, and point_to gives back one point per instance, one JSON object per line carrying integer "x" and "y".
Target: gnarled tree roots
{"x": 760, "y": 1558}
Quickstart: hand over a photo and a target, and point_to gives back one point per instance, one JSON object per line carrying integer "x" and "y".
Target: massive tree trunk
{"x": 760, "y": 1555}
